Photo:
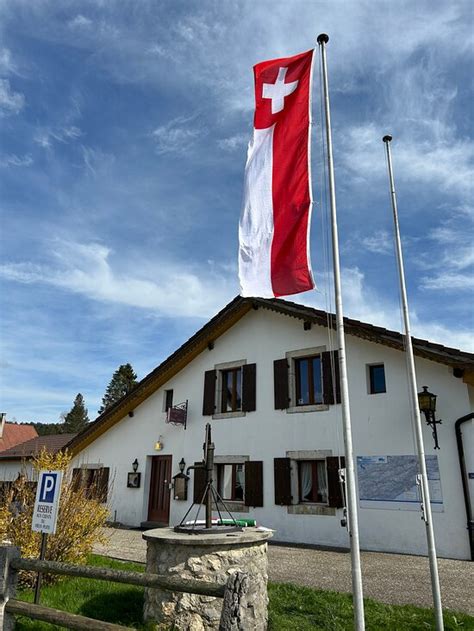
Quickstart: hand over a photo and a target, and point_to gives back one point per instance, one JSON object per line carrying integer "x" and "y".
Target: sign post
{"x": 45, "y": 513}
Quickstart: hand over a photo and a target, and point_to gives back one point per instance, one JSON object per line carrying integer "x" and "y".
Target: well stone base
{"x": 207, "y": 558}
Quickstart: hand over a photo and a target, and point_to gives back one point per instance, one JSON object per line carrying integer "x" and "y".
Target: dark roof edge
{"x": 232, "y": 306}
{"x": 394, "y": 339}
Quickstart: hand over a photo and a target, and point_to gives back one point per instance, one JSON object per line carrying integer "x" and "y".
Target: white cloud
{"x": 80, "y": 21}
{"x": 446, "y": 164}
{"x": 44, "y": 137}
{"x": 380, "y": 243}
{"x": 449, "y": 281}
{"x": 452, "y": 268}
{"x": 177, "y": 136}
{"x": 233, "y": 142}
{"x": 96, "y": 161}
{"x": 12, "y": 160}
{"x": 6, "y": 64}
{"x": 164, "y": 287}
{"x": 10, "y": 102}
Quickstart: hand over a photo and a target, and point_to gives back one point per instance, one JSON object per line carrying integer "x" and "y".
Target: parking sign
{"x": 45, "y": 513}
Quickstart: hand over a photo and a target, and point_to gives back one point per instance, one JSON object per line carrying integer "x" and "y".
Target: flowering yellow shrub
{"x": 80, "y": 519}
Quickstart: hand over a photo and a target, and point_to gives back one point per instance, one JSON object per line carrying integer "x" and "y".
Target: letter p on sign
{"x": 48, "y": 486}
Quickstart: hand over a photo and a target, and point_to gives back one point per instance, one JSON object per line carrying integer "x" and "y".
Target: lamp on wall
{"x": 427, "y": 405}
{"x": 180, "y": 482}
{"x": 135, "y": 465}
{"x": 159, "y": 443}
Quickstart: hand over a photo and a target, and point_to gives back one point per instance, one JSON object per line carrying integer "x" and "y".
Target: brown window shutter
{"x": 209, "y": 399}
{"x": 333, "y": 464}
{"x": 280, "y": 374}
{"x": 254, "y": 483}
{"x": 249, "y": 387}
{"x": 199, "y": 484}
{"x": 282, "y": 476}
{"x": 328, "y": 387}
{"x": 76, "y": 479}
{"x": 102, "y": 481}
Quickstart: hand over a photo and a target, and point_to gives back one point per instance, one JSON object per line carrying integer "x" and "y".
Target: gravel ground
{"x": 388, "y": 578}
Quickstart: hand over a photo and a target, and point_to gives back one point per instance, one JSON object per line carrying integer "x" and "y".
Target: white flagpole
{"x": 346, "y": 415}
{"x": 423, "y": 477}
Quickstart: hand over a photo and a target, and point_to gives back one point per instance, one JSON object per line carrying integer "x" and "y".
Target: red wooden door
{"x": 159, "y": 499}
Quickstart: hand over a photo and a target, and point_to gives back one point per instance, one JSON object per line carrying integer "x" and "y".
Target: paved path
{"x": 388, "y": 578}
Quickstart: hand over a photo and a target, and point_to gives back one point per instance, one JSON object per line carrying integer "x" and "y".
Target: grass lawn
{"x": 291, "y": 607}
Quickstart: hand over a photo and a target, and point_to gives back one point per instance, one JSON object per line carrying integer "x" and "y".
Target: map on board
{"x": 390, "y": 482}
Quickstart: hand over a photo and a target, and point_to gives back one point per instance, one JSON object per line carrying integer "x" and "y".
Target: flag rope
{"x": 330, "y": 303}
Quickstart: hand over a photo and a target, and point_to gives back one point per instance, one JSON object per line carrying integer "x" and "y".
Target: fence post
{"x": 234, "y": 599}
{"x": 8, "y": 580}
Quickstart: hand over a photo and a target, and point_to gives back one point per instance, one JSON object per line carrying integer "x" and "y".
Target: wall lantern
{"x": 159, "y": 443}
{"x": 180, "y": 482}
{"x": 134, "y": 478}
{"x": 427, "y": 405}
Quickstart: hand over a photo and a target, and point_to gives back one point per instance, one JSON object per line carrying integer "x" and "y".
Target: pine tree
{"x": 123, "y": 381}
{"x": 76, "y": 419}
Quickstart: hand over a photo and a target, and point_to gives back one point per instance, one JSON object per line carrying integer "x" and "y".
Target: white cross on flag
{"x": 275, "y": 221}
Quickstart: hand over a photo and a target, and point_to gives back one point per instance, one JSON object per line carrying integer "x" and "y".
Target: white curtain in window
{"x": 306, "y": 476}
{"x": 240, "y": 476}
{"x": 227, "y": 482}
{"x": 322, "y": 480}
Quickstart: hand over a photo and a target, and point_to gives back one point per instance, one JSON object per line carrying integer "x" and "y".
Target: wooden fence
{"x": 11, "y": 563}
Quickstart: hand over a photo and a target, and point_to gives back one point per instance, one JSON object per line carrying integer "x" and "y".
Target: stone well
{"x": 206, "y": 557}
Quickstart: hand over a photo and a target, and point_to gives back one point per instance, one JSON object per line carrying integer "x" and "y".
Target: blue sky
{"x": 123, "y": 133}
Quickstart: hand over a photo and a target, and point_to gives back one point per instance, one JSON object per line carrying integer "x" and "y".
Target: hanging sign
{"x": 45, "y": 513}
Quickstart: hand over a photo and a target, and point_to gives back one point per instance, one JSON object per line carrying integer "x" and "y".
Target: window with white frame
{"x": 376, "y": 378}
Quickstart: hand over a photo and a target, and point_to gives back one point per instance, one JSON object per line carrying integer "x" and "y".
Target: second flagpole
{"x": 425, "y": 490}
{"x": 346, "y": 415}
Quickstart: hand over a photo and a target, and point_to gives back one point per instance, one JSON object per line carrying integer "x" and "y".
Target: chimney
{"x": 3, "y": 417}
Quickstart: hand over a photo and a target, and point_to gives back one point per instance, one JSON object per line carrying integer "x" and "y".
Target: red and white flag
{"x": 274, "y": 226}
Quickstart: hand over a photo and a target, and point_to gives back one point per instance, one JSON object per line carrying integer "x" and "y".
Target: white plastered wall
{"x": 381, "y": 426}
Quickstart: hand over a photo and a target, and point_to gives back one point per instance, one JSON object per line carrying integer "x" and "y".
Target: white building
{"x": 278, "y": 439}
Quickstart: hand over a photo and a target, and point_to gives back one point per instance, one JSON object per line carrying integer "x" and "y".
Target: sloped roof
{"x": 14, "y": 434}
{"x": 28, "y": 449}
{"x": 224, "y": 320}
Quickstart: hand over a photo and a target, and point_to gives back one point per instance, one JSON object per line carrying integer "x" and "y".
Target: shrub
{"x": 80, "y": 519}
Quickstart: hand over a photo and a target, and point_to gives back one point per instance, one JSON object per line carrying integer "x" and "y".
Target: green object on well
{"x": 240, "y": 522}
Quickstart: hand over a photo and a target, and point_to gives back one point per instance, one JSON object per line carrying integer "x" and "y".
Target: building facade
{"x": 262, "y": 374}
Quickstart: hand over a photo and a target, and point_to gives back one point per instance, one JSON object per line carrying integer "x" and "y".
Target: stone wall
{"x": 210, "y": 561}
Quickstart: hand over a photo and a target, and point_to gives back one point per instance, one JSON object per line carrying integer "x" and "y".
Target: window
{"x": 230, "y": 389}
{"x": 231, "y": 400}
{"x": 377, "y": 379}
{"x": 168, "y": 400}
{"x": 308, "y": 380}
{"x": 94, "y": 482}
{"x": 238, "y": 480}
{"x": 307, "y": 482}
{"x": 312, "y": 481}
{"x": 231, "y": 481}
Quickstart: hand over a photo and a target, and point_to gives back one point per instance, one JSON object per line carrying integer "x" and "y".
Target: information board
{"x": 45, "y": 513}
{"x": 390, "y": 482}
